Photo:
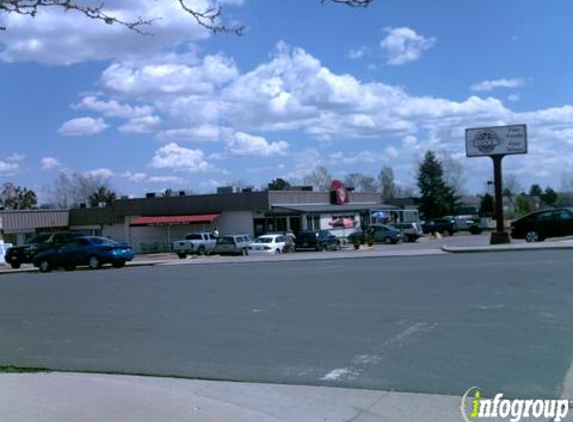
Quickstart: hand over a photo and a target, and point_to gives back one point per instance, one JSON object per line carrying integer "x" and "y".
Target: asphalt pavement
{"x": 435, "y": 324}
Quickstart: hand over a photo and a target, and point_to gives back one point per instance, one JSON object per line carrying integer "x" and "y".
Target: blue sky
{"x": 308, "y": 84}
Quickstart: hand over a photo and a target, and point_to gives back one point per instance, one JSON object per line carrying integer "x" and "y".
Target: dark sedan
{"x": 318, "y": 240}
{"x": 538, "y": 226}
{"x": 24, "y": 254}
{"x": 92, "y": 251}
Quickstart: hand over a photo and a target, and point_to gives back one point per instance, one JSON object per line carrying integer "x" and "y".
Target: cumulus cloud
{"x": 201, "y": 133}
{"x": 15, "y": 158}
{"x": 50, "y": 163}
{"x": 55, "y": 36}
{"x": 136, "y": 177}
{"x": 243, "y": 144}
{"x": 7, "y": 167}
{"x": 146, "y": 124}
{"x": 166, "y": 179}
{"x": 358, "y": 53}
{"x": 112, "y": 108}
{"x": 174, "y": 157}
{"x": 403, "y": 45}
{"x": 82, "y": 126}
{"x": 498, "y": 83}
{"x": 101, "y": 173}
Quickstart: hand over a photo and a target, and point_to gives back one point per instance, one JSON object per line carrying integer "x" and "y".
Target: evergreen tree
{"x": 17, "y": 198}
{"x": 102, "y": 195}
{"x": 535, "y": 190}
{"x": 436, "y": 197}
{"x": 278, "y": 184}
{"x": 550, "y": 197}
{"x": 486, "y": 206}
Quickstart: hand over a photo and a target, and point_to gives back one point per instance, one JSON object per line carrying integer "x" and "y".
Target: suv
{"x": 18, "y": 255}
{"x": 233, "y": 244}
{"x": 540, "y": 225}
{"x": 410, "y": 231}
{"x": 318, "y": 240}
{"x": 440, "y": 225}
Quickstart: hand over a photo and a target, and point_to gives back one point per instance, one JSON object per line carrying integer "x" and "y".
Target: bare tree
{"x": 319, "y": 178}
{"x": 361, "y": 182}
{"x": 511, "y": 187}
{"x": 387, "y": 183}
{"x": 209, "y": 18}
{"x": 70, "y": 190}
{"x": 454, "y": 172}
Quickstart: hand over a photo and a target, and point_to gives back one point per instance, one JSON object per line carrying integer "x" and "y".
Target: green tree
{"x": 486, "y": 206}
{"x": 549, "y": 196}
{"x": 17, "y": 198}
{"x": 278, "y": 184}
{"x": 535, "y": 190}
{"x": 102, "y": 195}
{"x": 436, "y": 197}
{"x": 522, "y": 205}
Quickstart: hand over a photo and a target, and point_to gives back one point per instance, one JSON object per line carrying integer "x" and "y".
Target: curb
{"x": 35, "y": 270}
{"x": 507, "y": 248}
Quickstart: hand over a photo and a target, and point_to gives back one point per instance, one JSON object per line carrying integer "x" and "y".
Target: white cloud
{"x": 514, "y": 97}
{"x": 6, "y": 167}
{"x": 15, "y": 158}
{"x": 83, "y": 126}
{"x": 145, "y": 124}
{"x": 101, "y": 173}
{"x": 50, "y": 163}
{"x": 358, "y": 53}
{"x": 243, "y": 144}
{"x": 54, "y": 36}
{"x": 403, "y": 45}
{"x": 498, "y": 83}
{"x": 166, "y": 179}
{"x": 112, "y": 108}
{"x": 137, "y": 177}
{"x": 172, "y": 156}
{"x": 205, "y": 132}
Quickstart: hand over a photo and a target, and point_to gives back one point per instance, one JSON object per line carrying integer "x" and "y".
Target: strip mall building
{"x": 150, "y": 224}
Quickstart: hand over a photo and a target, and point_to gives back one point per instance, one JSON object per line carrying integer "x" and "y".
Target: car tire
{"x": 70, "y": 267}
{"x": 244, "y": 252}
{"x": 532, "y": 236}
{"x": 15, "y": 265}
{"x": 119, "y": 264}
{"x": 277, "y": 251}
{"x": 182, "y": 255}
{"x": 387, "y": 241}
{"x": 45, "y": 266}
{"x": 94, "y": 262}
{"x": 451, "y": 232}
{"x": 201, "y": 250}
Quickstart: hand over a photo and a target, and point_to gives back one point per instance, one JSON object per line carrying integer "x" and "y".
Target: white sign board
{"x": 500, "y": 140}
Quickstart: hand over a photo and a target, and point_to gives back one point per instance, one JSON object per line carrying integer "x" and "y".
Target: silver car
{"x": 237, "y": 244}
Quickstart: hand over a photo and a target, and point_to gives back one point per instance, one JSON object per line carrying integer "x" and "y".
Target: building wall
{"x": 239, "y": 222}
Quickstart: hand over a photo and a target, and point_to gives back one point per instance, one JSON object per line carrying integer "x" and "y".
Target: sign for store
{"x": 499, "y": 140}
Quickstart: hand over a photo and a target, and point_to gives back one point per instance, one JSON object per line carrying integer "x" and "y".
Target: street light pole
{"x": 500, "y": 235}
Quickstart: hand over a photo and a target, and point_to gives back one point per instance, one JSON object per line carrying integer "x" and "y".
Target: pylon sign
{"x": 499, "y": 140}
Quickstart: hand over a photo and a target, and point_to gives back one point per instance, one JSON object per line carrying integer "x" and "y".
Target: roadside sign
{"x": 499, "y": 140}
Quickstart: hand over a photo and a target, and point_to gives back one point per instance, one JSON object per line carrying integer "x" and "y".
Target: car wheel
{"x": 182, "y": 255}
{"x": 15, "y": 265}
{"x": 244, "y": 252}
{"x": 387, "y": 240}
{"x": 119, "y": 264}
{"x": 201, "y": 250}
{"x": 70, "y": 267}
{"x": 277, "y": 251}
{"x": 532, "y": 236}
{"x": 94, "y": 262}
{"x": 45, "y": 266}
{"x": 451, "y": 232}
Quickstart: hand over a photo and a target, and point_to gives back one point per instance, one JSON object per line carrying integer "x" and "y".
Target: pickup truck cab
{"x": 201, "y": 243}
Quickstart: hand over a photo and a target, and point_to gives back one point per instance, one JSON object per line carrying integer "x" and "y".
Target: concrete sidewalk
{"x": 68, "y": 397}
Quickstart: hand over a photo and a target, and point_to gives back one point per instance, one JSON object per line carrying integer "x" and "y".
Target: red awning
{"x": 174, "y": 219}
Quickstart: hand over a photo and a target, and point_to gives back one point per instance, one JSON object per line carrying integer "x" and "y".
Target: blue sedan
{"x": 92, "y": 251}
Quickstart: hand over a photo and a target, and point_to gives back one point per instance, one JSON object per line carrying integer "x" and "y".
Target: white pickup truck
{"x": 195, "y": 244}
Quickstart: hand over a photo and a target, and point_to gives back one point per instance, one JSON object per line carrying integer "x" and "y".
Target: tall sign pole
{"x": 497, "y": 142}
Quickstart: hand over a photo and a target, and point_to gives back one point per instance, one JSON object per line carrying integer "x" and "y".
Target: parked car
{"x": 233, "y": 244}
{"x": 440, "y": 225}
{"x": 358, "y": 237}
{"x": 268, "y": 244}
{"x": 383, "y": 233}
{"x": 18, "y": 255}
{"x": 540, "y": 225}
{"x": 317, "y": 240}
{"x": 92, "y": 251}
{"x": 410, "y": 231}
{"x": 200, "y": 243}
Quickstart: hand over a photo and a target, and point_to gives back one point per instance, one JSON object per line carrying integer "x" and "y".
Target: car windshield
{"x": 102, "y": 240}
{"x": 41, "y": 238}
{"x": 264, "y": 239}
